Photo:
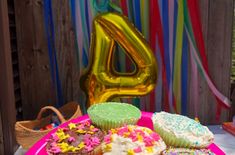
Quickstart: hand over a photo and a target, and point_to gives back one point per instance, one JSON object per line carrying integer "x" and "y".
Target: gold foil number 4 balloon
{"x": 100, "y": 81}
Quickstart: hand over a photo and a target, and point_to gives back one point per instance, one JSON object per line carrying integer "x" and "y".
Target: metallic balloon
{"x": 101, "y": 81}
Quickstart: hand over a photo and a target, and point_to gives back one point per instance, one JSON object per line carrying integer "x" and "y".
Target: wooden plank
{"x": 66, "y": 52}
{"x": 1, "y": 136}
{"x": 202, "y": 86}
{"x": 7, "y": 104}
{"x": 219, "y": 51}
{"x": 35, "y": 79}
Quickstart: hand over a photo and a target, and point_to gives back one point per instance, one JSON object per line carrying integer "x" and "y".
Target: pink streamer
{"x": 212, "y": 87}
{"x": 194, "y": 83}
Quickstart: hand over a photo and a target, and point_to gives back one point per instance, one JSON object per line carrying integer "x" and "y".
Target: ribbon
{"x": 79, "y": 32}
{"x": 85, "y": 30}
{"x": 158, "y": 89}
{"x": 165, "y": 19}
{"x": 144, "y": 8}
{"x": 194, "y": 83}
{"x": 137, "y": 14}
{"x": 178, "y": 55}
{"x": 184, "y": 78}
{"x": 50, "y": 33}
{"x": 156, "y": 30}
{"x": 73, "y": 17}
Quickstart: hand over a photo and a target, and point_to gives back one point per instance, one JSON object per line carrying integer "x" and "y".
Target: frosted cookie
{"x": 132, "y": 140}
{"x": 81, "y": 138}
{"x": 110, "y": 115}
{"x": 180, "y": 131}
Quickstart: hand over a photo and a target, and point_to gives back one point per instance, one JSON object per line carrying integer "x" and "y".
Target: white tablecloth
{"x": 223, "y": 140}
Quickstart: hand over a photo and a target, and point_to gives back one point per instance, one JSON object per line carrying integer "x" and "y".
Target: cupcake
{"x": 81, "y": 138}
{"x": 113, "y": 115}
{"x": 184, "y": 151}
{"x": 132, "y": 140}
{"x": 180, "y": 131}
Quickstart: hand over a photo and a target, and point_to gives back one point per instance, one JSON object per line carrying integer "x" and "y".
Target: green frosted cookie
{"x": 180, "y": 131}
{"x": 110, "y": 115}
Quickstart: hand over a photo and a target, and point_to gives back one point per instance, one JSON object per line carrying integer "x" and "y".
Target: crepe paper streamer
{"x": 87, "y": 21}
{"x": 115, "y": 7}
{"x": 205, "y": 75}
{"x": 137, "y": 19}
{"x": 178, "y": 55}
{"x": 91, "y": 13}
{"x": 171, "y": 51}
{"x": 165, "y": 15}
{"x": 158, "y": 89}
{"x": 196, "y": 25}
{"x": 79, "y": 33}
{"x": 86, "y": 44}
{"x": 160, "y": 8}
{"x": 73, "y": 16}
{"x": 49, "y": 26}
{"x": 156, "y": 29}
{"x": 137, "y": 14}
{"x": 144, "y": 8}
{"x": 184, "y": 78}
{"x": 124, "y": 7}
{"x": 130, "y": 10}
{"x": 194, "y": 83}
{"x": 101, "y": 6}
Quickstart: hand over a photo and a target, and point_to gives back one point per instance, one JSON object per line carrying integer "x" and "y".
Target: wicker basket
{"x": 26, "y": 136}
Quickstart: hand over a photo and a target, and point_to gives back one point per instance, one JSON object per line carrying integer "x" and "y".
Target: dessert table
{"x": 224, "y": 142}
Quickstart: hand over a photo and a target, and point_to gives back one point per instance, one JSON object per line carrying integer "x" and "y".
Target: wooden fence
{"x": 36, "y": 84}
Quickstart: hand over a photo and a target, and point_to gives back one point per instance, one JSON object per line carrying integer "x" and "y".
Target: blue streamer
{"x": 87, "y": 20}
{"x": 130, "y": 11}
{"x": 103, "y": 5}
{"x": 165, "y": 22}
{"x": 174, "y": 35}
{"x": 73, "y": 17}
{"x": 184, "y": 77}
{"x": 85, "y": 29}
{"x": 136, "y": 10}
{"x": 84, "y": 57}
{"x": 49, "y": 26}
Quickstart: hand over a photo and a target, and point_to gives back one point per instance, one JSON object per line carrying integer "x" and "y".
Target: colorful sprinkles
{"x": 144, "y": 137}
{"x": 64, "y": 140}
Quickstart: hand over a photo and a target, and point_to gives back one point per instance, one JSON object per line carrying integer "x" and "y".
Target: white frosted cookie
{"x": 132, "y": 140}
{"x": 181, "y": 131}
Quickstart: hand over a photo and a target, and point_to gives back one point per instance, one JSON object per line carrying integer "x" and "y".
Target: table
{"x": 223, "y": 139}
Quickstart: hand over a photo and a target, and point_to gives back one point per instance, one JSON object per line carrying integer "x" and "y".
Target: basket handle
{"x": 57, "y": 112}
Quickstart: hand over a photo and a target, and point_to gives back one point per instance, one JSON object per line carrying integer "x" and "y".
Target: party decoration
{"x": 101, "y": 81}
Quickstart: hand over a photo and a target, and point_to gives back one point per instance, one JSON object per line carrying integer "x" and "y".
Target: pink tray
{"x": 145, "y": 120}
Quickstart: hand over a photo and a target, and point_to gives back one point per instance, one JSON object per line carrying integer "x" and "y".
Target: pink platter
{"x": 39, "y": 148}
